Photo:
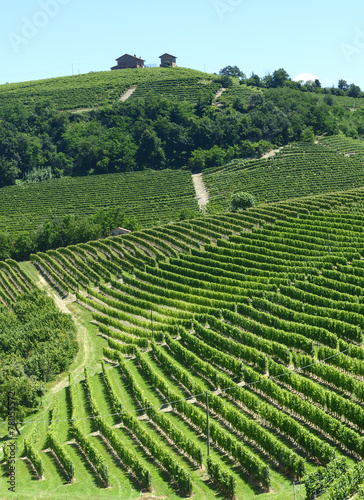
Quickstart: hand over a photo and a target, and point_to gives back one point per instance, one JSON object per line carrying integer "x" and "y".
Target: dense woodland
{"x": 40, "y": 142}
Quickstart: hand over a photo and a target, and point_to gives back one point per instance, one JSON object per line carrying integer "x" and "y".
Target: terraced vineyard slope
{"x": 239, "y": 92}
{"x": 105, "y": 87}
{"x": 187, "y": 89}
{"x": 153, "y": 197}
{"x": 298, "y": 169}
{"x": 258, "y": 314}
{"x": 354, "y": 148}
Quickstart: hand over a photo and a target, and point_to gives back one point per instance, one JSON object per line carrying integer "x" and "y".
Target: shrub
{"x": 241, "y": 201}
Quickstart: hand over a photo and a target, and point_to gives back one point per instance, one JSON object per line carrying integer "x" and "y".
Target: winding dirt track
{"x": 86, "y": 352}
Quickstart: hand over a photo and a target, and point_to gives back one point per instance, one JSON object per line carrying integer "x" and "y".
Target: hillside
{"x": 299, "y": 169}
{"x": 262, "y": 309}
{"x": 157, "y": 197}
{"x": 102, "y": 88}
{"x": 218, "y": 354}
{"x": 150, "y": 196}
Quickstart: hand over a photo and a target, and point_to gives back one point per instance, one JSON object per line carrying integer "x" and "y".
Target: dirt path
{"x": 217, "y": 95}
{"x": 201, "y": 191}
{"x": 86, "y": 353}
{"x": 127, "y": 93}
{"x": 271, "y": 153}
{"x": 80, "y": 110}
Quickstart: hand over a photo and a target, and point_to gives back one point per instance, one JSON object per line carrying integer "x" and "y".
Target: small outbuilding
{"x": 119, "y": 230}
{"x": 167, "y": 60}
{"x": 128, "y": 61}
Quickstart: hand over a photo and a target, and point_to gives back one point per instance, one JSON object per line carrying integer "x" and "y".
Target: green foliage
{"x": 224, "y": 480}
{"x": 33, "y": 456}
{"x": 346, "y": 484}
{"x": 300, "y": 169}
{"x": 232, "y": 71}
{"x": 319, "y": 481}
{"x": 242, "y": 201}
{"x": 308, "y": 135}
{"x": 37, "y": 342}
{"x": 82, "y": 209}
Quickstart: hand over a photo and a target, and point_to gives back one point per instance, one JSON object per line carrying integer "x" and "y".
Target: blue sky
{"x": 47, "y": 38}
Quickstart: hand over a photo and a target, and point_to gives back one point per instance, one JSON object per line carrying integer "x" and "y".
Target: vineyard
{"x": 188, "y": 89}
{"x": 354, "y": 148}
{"x": 299, "y": 169}
{"x": 157, "y": 197}
{"x": 349, "y": 102}
{"x": 153, "y": 197}
{"x": 94, "y": 90}
{"x": 242, "y": 92}
{"x": 239, "y": 333}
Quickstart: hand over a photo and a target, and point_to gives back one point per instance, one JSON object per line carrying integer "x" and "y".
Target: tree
{"x": 254, "y": 80}
{"x": 241, "y": 201}
{"x": 233, "y": 71}
{"x": 226, "y": 81}
{"x": 150, "y": 153}
{"x": 343, "y": 85}
{"x": 308, "y": 135}
{"x": 280, "y": 77}
{"x": 317, "y": 83}
{"x": 353, "y": 91}
{"x": 329, "y": 100}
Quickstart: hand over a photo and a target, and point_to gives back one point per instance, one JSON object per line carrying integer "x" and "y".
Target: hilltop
{"x": 102, "y": 88}
{"x": 172, "y": 118}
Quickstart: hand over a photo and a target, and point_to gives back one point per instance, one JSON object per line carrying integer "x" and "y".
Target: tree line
{"x": 280, "y": 78}
{"x": 37, "y": 342}
{"x": 39, "y": 143}
{"x": 64, "y": 231}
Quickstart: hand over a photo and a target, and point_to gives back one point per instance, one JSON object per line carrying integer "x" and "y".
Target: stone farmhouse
{"x": 168, "y": 60}
{"x": 128, "y": 61}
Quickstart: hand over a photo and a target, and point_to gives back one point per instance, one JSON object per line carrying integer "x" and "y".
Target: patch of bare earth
{"x": 128, "y": 93}
{"x": 201, "y": 191}
{"x": 217, "y": 95}
{"x": 271, "y": 153}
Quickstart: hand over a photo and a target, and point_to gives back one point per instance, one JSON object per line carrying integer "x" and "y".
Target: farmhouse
{"x": 128, "y": 61}
{"x": 168, "y": 60}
